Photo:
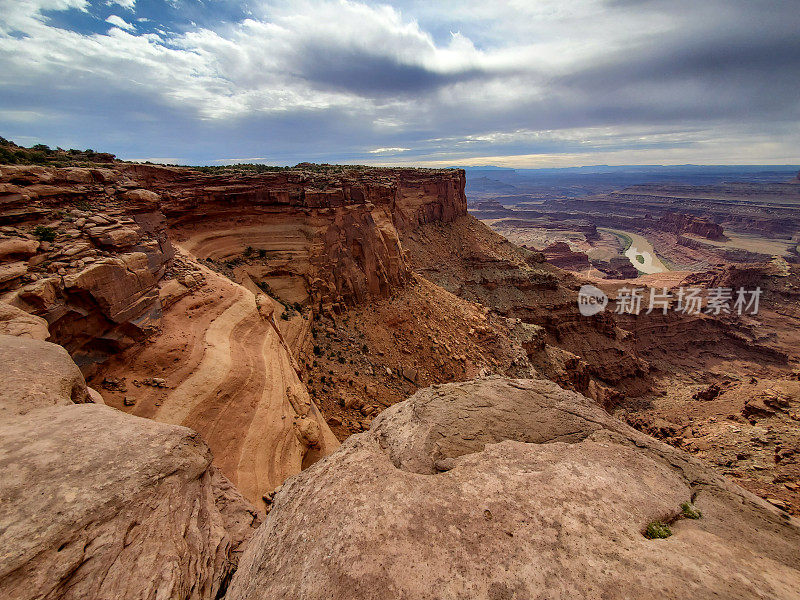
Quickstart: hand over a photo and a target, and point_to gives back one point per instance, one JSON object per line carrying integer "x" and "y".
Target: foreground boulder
{"x": 37, "y": 374}
{"x": 514, "y": 489}
{"x": 97, "y": 504}
{"x": 16, "y": 322}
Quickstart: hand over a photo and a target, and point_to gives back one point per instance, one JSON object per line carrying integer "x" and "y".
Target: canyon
{"x": 735, "y": 218}
{"x": 217, "y": 377}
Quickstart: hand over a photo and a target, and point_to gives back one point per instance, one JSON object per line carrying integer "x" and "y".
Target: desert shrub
{"x": 690, "y": 511}
{"x": 657, "y": 530}
{"x": 44, "y": 233}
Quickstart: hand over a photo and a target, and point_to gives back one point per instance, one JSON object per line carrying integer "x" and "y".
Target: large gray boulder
{"x": 513, "y": 489}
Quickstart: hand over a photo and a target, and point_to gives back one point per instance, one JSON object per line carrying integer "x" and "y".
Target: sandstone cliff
{"x": 186, "y": 295}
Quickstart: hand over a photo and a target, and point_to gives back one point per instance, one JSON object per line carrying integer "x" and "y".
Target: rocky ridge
{"x": 269, "y": 311}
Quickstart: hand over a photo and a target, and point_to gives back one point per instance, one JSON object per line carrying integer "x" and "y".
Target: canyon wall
{"x": 323, "y": 236}
{"x": 185, "y": 296}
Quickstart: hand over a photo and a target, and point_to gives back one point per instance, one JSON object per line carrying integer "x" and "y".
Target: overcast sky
{"x": 518, "y": 83}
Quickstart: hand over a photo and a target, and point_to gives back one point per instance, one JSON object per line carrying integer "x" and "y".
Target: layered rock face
{"x": 93, "y": 267}
{"x": 562, "y": 256}
{"x": 679, "y": 223}
{"x": 99, "y": 504}
{"x": 223, "y": 368}
{"x": 514, "y": 489}
{"x": 84, "y": 249}
{"x": 92, "y": 251}
{"x": 329, "y": 235}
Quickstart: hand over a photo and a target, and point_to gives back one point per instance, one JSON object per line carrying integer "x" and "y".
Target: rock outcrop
{"x": 100, "y": 504}
{"x": 515, "y": 489}
{"x": 93, "y": 276}
{"x": 680, "y": 223}
{"x": 92, "y": 251}
{"x": 563, "y": 257}
{"x": 17, "y": 322}
{"x": 37, "y": 374}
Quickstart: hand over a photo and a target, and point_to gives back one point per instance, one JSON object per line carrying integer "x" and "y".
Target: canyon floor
{"x": 278, "y": 321}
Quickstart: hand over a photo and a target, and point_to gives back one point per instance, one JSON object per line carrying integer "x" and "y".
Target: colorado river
{"x": 641, "y": 254}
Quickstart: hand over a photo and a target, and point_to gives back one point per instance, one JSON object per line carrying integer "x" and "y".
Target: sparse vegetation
{"x": 657, "y": 530}
{"x": 44, "y": 233}
{"x": 690, "y": 511}
{"x": 42, "y": 154}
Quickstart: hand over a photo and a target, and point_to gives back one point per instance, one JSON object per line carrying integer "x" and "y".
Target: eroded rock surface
{"x": 97, "y": 504}
{"x": 513, "y": 489}
{"x": 17, "y": 322}
{"x": 37, "y": 374}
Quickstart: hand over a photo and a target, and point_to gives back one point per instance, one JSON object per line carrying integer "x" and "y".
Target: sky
{"x": 526, "y": 84}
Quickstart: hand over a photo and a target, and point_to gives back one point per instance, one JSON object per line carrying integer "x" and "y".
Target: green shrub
{"x": 44, "y": 233}
{"x": 657, "y": 530}
{"x": 690, "y": 511}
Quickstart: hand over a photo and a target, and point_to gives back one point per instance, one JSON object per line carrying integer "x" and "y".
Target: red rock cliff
{"x": 313, "y": 235}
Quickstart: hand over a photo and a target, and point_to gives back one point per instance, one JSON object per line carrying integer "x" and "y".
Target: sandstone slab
{"x": 99, "y": 504}
{"x": 17, "y": 322}
{"x": 37, "y": 374}
{"x": 513, "y": 489}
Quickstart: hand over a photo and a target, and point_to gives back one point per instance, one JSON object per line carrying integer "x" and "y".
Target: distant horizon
{"x": 443, "y": 165}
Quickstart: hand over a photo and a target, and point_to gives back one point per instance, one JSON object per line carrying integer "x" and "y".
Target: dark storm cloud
{"x": 346, "y": 81}
{"x": 731, "y": 76}
{"x": 371, "y": 74}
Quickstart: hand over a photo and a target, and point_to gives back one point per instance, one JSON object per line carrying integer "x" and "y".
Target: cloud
{"x": 129, "y": 4}
{"x": 388, "y": 150}
{"x": 120, "y": 22}
{"x": 342, "y": 80}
